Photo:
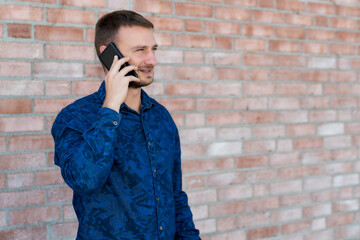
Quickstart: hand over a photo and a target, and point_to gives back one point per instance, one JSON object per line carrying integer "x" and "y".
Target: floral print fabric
{"x": 124, "y": 169}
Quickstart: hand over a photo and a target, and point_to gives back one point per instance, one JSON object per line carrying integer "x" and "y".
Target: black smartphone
{"x": 107, "y": 58}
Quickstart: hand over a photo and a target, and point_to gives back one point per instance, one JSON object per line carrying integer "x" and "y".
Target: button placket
{"x": 154, "y": 170}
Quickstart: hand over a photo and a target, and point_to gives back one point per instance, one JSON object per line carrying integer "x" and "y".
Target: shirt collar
{"x": 146, "y": 101}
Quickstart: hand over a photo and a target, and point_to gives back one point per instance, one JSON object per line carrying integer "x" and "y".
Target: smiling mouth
{"x": 146, "y": 71}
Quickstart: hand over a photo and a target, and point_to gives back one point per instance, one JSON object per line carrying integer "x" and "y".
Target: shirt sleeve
{"x": 185, "y": 227}
{"x": 85, "y": 156}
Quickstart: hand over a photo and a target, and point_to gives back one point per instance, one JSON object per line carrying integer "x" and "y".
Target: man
{"x": 119, "y": 150}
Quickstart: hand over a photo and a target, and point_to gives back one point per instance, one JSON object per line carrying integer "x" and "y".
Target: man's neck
{"x": 133, "y": 99}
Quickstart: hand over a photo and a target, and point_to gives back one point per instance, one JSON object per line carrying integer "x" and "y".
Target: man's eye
{"x": 139, "y": 50}
{"x": 154, "y": 49}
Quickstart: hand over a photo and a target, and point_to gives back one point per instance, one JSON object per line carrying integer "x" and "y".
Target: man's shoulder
{"x": 160, "y": 107}
{"x": 163, "y": 113}
{"x": 87, "y": 104}
{"x": 80, "y": 112}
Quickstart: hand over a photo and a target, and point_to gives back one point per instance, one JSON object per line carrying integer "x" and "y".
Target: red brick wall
{"x": 265, "y": 94}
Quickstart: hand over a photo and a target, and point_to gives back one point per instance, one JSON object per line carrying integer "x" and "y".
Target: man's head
{"x": 133, "y": 36}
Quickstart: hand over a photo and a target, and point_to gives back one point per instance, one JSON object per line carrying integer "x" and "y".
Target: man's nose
{"x": 151, "y": 58}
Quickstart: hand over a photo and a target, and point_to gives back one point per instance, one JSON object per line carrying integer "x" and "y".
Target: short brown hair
{"x": 108, "y": 25}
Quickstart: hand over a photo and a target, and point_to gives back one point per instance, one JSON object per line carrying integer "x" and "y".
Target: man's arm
{"x": 185, "y": 228}
{"x": 85, "y": 156}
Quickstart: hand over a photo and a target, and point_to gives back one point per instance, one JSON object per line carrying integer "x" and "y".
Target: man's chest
{"x": 144, "y": 147}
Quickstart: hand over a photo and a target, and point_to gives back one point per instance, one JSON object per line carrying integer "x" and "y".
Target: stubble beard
{"x": 144, "y": 80}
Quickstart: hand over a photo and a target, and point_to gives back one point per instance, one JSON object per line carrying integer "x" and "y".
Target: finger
{"x": 127, "y": 69}
{"x": 115, "y": 67}
{"x": 133, "y": 79}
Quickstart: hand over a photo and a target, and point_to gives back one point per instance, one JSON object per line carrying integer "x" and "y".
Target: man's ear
{"x": 102, "y": 48}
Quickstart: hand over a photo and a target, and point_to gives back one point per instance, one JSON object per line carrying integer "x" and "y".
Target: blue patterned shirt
{"x": 124, "y": 169}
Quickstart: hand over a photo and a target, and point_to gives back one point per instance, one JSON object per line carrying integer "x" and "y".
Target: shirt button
{"x": 115, "y": 123}
{"x": 161, "y": 228}
{"x": 149, "y": 143}
{"x": 158, "y": 199}
{"x": 154, "y": 170}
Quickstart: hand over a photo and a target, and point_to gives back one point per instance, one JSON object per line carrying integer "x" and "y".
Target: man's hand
{"x": 117, "y": 84}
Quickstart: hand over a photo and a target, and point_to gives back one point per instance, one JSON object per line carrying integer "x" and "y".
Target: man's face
{"x": 139, "y": 44}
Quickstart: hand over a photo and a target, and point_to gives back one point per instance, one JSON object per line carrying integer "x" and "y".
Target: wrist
{"x": 111, "y": 105}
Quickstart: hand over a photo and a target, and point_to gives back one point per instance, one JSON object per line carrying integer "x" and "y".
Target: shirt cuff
{"x": 108, "y": 118}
